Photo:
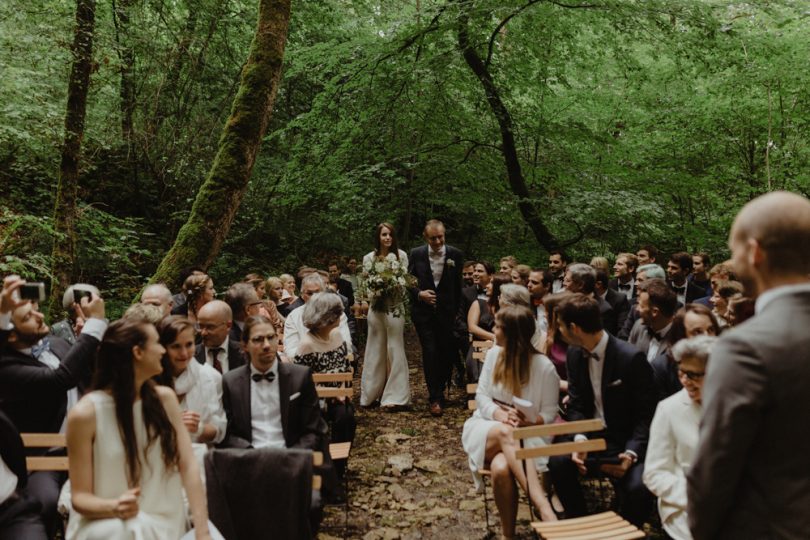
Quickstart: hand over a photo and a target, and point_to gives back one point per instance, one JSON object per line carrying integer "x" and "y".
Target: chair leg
{"x": 346, "y": 504}
{"x": 486, "y": 507}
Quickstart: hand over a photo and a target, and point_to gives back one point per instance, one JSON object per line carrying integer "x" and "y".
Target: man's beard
{"x": 29, "y": 339}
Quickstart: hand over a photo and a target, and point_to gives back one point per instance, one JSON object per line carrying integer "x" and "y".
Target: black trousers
{"x": 20, "y": 520}
{"x": 439, "y": 351}
{"x": 44, "y": 487}
{"x": 636, "y": 501}
{"x": 340, "y": 416}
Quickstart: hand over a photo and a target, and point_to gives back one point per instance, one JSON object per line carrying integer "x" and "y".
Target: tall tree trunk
{"x": 516, "y": 180}
{"x": 218, "y": 199}
{"x": 126, "y": 55}
{"x": 64, "y": 245}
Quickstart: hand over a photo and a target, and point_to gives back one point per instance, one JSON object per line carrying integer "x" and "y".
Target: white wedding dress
{"x": 385, "y": 366}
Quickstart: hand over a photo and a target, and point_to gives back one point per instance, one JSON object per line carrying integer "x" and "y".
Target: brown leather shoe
{"x": 436, "y": 408}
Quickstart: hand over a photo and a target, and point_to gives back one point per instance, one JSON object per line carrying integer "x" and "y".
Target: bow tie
{"x": 43, "y": 345}
{"x": 590, "y": 355}
{"x": 625, "y": 287}
{"x": 269, "y": 376}
{"x": 653, "y": 334}
{"x": 679, "y": 290}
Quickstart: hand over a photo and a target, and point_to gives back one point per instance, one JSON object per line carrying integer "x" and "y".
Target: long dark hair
{"x": 394, "y": 246}
{"x": 116, "y": 372}
{"x": 168, "y": 330}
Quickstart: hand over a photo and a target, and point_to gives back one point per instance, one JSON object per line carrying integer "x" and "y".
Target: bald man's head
{"x": 215, "y": 320}
{"x": 158, "y": 295}
{"x": 771, "y": 236}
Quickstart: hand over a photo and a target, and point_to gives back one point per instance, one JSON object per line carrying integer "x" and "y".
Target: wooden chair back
{"x": 45, "y": 440}
{"x": 342, "y": 380}
{"x": 480, "y": 348}
{"x": 561, "y": 448}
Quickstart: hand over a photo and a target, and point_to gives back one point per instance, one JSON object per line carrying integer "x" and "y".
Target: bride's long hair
{"x": 394, "y": 246}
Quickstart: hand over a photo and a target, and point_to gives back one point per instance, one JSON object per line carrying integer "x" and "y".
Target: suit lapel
{"x": 610, "y": 365}
{"x": 284, "y": 396}
{"x": 244, "y": 414}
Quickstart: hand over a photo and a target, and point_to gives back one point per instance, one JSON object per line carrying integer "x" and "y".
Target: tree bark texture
{"x": 64, "y": 245}
{"x": 517, "y": 181}
{"x": 218, "y": 199}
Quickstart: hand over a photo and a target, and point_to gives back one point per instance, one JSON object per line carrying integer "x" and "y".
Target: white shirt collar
{"x": 601, "y": 347}
{"x": 273, "y": 369}
{"x": 777, "y": 292}
{"x": 664, "y": 331}
{"x": 441, "y": 252}
{"x": 223, "y": 346}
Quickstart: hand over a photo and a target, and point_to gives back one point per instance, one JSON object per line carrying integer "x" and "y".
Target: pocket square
{"x": 295, "y": 396}
{"x": 617, "y": 382}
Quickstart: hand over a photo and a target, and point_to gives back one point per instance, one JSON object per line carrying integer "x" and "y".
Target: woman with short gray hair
{"x": 674, "y": 436}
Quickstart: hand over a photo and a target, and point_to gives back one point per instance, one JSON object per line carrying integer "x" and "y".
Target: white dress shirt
{"x": 294, "y": 329}
{"x": 629, "y": 291}
{"x": 436, "y": 259}
{"x": 265, "y": 411}
{"x": 8, "y": 482}
{"x": 223, "y": 356}
{"x": 655, "y": 343}
{"x": 200, "y": 387}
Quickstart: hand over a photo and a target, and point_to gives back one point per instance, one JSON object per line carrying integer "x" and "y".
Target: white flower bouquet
{"x": 384, "y": 285}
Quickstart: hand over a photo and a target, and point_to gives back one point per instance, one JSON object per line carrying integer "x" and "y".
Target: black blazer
{"x": 235, "y": 335}
{"x": 609, "y": 317}
{"x": 12, "y": 450}
{"x": 693, "y": 292}
{"x": 301, "y": 419}
{"x": 345, "y": 288}
{"x": 621, "y": 307}
{"x": 236, "y": 357}
{"x": 448, "y": 292}
{"x": 614, "y": 284}
{"x": 468, "y": 296}
{"x": 33, "y": 395}
{"x": 628, "y": 395}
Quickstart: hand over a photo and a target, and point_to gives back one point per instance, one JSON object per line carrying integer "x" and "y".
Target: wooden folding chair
{"x": 604, "y": 526}
{"x": 45, "y": 440}
{"x": 480, "y": 348}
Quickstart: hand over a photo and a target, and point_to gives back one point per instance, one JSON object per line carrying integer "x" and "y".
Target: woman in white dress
{"x": 513, "y": 368}
{"x": 674, "y": 436}
{"x": 385, "y": 366}
{"x": 130, "y": 454}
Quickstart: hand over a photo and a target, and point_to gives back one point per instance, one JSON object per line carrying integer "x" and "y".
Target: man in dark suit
{"x": 41, "y": 377}
{"x": 617, "y": 300}
{"x": 625, "y": 270}
{"x": 657, "y": 305}
{"x": 678, "y": 268}
{"x": 244, "y": 303}
{"x": 581, "y": 278}
{"x": 749, "y": 476}
{"x": 610, "y": 380}
{"x": 344, "y": 287}
{"x": 435, "y": 301}
{"x": 644, "y": 273}
{"x": 218, "y": 349}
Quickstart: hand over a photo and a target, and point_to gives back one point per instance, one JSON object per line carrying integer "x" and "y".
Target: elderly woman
{"x": 324, "y": 350}
{"x": 674, "y": 436}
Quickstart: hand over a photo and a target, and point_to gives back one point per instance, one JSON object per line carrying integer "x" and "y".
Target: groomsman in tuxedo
{"x": 467, "y": 274}
{"x": 618, "y": 301}
{"x": 700, "y": 272}
{"x": 750, "y": 476}
{"x": 343, "y": 286}
{"x": 678, "y": 268}
{"x": 646, "y": 255}
{"x": 625, "y": 280}
{"x": 218, "y": 349}
{"x": 657, "y": 305}
{"x": 557, "y": 261}
{"x": 539, "y": 285}
{"x": 435, "y": 299}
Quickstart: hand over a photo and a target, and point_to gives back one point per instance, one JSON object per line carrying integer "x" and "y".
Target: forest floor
{"x": 408, "y": 474}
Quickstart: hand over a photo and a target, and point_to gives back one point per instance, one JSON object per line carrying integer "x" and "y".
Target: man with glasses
{"x": 244, "y": 303}
{"x": 217, "y": 349}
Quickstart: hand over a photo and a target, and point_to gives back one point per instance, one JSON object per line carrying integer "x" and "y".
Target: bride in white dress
{"x": 385, "y": 367}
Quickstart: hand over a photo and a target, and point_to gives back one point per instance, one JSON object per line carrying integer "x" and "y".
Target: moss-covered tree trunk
{"x": 218, "y": 199}
{"x": 64, "y": 245}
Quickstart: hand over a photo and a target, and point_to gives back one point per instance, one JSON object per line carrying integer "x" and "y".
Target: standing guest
{"x": 132, "y": 430}
{"x": 323, "y": 350}
{"x": 294, "y": 328}
{"x": 385, "y": 366}
{"x": 41, "y": 379}
{"x": 244, "y": 303}
{"x": 158, "y": 295}
{"x": 557, "y": 261}
{"x": 678, "y": 268}
{"x": 724, "y": 291}
{"x": 512, "y": 369}
{"x": 145, "y": 312}
{"x": 700, "y": 272}
{"x": 467, "y": 274}
{"x": 70, "y": 327}
{"x": 435, "y": 299}
{"x": 646, "y": 255}
{"x": 344, "y": 287}
{"x": 258, "y": 283}
{"x": 288, "y": 296}
{"x": 520, "y": 274}
{"x": 539, "y": 285}
{"x": 581, "y": 278}
{"x": 199, "y": 290}
{"x": 273, "y": 303}
{"x": 507, "y": 264}
{"x": 657, "y": 305}
{"x": 625, "y": 270}
{"x": 618, "y": 301}
{"x": 350, "y": 272}
{"x": 750, "y": 477}
{"x": 217, "y": 349}
{"x": 198, "y": 386}
{"x": 610, "y": 380}
{"x": 481, "y": 320}
{"x": 600, "y": 264}
{"x": 674, "y": 436}
{"x": 180, "y": 299}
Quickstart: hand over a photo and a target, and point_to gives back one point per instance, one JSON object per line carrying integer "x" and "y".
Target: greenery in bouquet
{"x": 384, "y": 283}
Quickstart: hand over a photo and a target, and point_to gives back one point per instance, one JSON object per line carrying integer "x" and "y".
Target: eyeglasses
{"x": 691, "y": 375}
{"x": 259, "y": 340}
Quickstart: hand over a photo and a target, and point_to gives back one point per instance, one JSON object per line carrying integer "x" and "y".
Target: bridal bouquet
{"x": 384, "y": 285}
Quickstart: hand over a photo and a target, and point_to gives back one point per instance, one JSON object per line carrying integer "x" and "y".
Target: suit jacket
{"x": 301, "y": 419}
{"x": 12, "y": 450}
{"x": 235, "y": 335}
{"x": 614, "y": 284}
{"x": 448, "y": 292}
{"x": 628, "y": 395}
{"x": 33, "y": 395}
{"x": 345, "y": 288}
{"x": 665, "y": 375}
{"x": 610, "y": 319}
{"x": 750, "y": 477}
{"x": 693, "y": 292}
{"x": 641, "y": 339}
{"x": 236, "y": 357}
{"x": 468, "y": 296}
{"x": 621, "y": 307}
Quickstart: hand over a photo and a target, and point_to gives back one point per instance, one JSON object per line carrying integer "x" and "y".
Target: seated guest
{"x": 199, "y": 290}
{"x": 625, "y": 271}
{"x": 273, "y": 303}
{"x": 617, "y": 300}
{"x": 70, "y": 327}
{"x": 600, "y": 264}
{"x": 481, "y": 320}
{"x": 690, "y": 321}
{"x": 674, "y": 437}
{"x": 198, "y": 386}
{"x": 581, "y": 278}
{"x": 180, "y": 299}
{"x": 556, "y": 347}
{"x": 740, "y": 309}
{"x": 344, "y": 287}
{"x": 145, "y": 312}
{"x": 158, "y": 295}
{"x": 723, "y": 292}
{"x": 323, "y": 350}
{"x": 294, "y": 328}
{"x": 512, "y": 369}
{"x": 350, "y": 272}
{"x": 645, "y": 272}
{"x": 41, "y": 378}
{"x": 539, "y": 285}
{"x": 610, "y": 380}
{"x": 130, "y": 455}
{"x": 506, "y": 265}
{"x": 467, "y": 272}
{"x": 217, "y": 349}
{"x": 700, "y": 272}
{"x": 244, "y": 303}
{"x": 678, "y": 269}
{"x": 260, "y": 286}
{"x": 657, "y": 305}
{"x": 520, "y": 274}
{"x": 288, "y": 295}
{"x": 9, "y": 301}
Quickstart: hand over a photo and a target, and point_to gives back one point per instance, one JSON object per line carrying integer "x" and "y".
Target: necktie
{"x": 215, "y": 358}
{"x": 269, "y": 376}
{"x": 43, "y": 345}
